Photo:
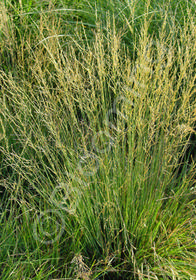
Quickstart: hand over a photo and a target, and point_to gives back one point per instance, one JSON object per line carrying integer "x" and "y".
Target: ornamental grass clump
{"x": 94, "y": 132}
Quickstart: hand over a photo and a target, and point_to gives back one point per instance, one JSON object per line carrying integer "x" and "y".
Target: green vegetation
{"x": 97, "y": 131}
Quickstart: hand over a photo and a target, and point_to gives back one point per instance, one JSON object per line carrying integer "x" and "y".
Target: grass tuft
{"x": 97, "y": 140}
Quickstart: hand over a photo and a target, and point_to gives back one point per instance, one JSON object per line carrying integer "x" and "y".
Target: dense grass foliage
{"x": 97, "y": 140}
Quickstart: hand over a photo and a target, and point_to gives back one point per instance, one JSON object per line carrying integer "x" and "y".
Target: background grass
{"x": 97, "y": 140}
